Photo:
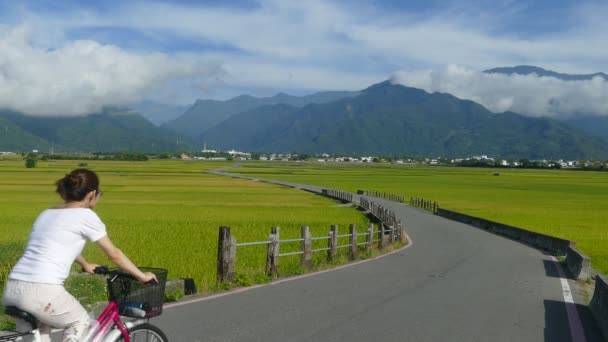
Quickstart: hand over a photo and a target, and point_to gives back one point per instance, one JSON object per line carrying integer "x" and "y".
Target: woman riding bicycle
{"x": 35, "y": 284}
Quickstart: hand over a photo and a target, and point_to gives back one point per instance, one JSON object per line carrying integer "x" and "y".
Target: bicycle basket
{"x": 135, "y": 299}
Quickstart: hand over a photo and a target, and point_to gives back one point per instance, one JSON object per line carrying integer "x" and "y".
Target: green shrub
{"x": 7, "y": 323}
{"x": 88, "y": 289}
{"x": 31, "y": 160}
{"x": 174, "y": 294}
{"x": 241, "y": 279}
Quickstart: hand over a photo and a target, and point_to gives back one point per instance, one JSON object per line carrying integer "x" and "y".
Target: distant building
{"x": 184, "y": 156}
{"x": 239, "y": 154}
{"x": 205, "y": 150}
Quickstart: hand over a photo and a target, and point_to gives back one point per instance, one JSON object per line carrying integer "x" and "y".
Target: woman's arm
{"x": 85, "y": 265}
{"x": 121, "y": 260}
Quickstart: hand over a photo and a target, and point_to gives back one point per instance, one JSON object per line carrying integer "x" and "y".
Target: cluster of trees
{"x": 31, "y": 159}
{"x": 598, "y": 165}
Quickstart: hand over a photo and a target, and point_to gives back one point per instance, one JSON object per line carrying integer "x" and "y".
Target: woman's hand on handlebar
{"x": 148, "y": 277}
{"x": 90, "y": 268}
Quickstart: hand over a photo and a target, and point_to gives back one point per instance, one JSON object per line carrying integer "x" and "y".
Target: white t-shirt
{"x": 57, "y": 238}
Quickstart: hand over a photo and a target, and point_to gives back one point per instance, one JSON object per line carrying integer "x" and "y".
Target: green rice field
{"x": 562, "y": 203}
{"x": 167, "y": 214}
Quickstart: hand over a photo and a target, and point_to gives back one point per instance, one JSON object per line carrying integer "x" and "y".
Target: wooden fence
{"x": 390, "y": 230}
{"x": 381, "y": 194}
{"x": 338, "y": 194}
{"x": 227, "y": 246}
{"x": 414, "y": 202}
{"x": 424, "y": 204}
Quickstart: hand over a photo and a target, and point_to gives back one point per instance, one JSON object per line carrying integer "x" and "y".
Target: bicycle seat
{"x": 26, "y": 316}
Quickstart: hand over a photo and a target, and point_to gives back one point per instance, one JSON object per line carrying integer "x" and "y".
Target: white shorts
{"x": 51, "y": 304}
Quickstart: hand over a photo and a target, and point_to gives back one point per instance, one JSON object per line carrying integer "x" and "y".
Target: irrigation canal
{"x": 452, "y": 283}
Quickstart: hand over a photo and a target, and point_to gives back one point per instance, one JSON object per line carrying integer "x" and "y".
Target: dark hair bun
{"x": 77, "y": 184}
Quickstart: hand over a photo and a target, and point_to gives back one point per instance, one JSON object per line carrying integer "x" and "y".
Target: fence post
{"x": 332, "y": 243}
{"x": 353, "y": 241}
{"x": 226, "y": 253}
{"x": 380, "y": 236}
{"x": 306, "y": 260}
{"x": 272, "y": 258}
{"x": 369, "y": 238}
{"x": 402, "y": 235}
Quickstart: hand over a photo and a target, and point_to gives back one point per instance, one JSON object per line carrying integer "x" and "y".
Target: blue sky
{"x": 120, "y": 52}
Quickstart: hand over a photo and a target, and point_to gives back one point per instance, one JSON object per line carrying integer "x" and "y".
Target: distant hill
{"x": 15, "y": 139}
{"x": 159, "y": 113}
{"x": 204, "y": 114}
{"x": 593, "y": 124}
{"x": 110, "y": 131}
{"x": 529, "y": 69}
{"x": 389, "y": 119}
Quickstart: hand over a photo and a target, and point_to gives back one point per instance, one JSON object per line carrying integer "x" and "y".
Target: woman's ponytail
{"x": 77, "y": 184}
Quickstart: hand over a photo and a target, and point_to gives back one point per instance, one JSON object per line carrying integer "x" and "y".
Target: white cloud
{"x": 305, "y": 45}
{"x": 529, "y": 95}
{"x": 80, "y": 77}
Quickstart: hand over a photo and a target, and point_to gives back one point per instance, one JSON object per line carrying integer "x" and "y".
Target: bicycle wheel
{"x": 146, "y": 333}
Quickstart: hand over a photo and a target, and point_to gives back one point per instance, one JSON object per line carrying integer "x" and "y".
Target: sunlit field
{"x": 562, "y": 203}
{"x": 167, "y": 213}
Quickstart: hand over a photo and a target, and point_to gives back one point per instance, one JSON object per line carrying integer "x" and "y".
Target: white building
{"x": 239, "y": 154}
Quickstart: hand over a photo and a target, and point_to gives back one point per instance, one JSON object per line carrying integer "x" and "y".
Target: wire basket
{"x": 135, "y": 299}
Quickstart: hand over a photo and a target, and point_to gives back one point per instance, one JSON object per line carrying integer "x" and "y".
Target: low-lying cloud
{"x": 81, "y": 77}
{"x": 525, "y": 94}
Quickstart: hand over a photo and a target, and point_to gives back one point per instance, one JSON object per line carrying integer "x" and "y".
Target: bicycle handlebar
{"x": 105, "y": 270}
{"x": 101, "y": 270}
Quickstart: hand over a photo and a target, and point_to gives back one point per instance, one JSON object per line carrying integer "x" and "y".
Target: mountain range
{"x": 391, "y": 119}
{"x": 109, "y": 131}
{"x": 383, "y": 119}
{"x": 204, "y": 114}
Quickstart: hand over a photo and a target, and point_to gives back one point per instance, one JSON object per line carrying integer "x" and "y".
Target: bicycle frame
{"x": 101, "y": 330}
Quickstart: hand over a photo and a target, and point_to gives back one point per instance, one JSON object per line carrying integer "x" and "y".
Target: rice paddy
{"x": 167, "y": 214}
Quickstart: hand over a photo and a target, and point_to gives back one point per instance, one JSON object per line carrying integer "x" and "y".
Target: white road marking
{"x": 576, "y": 326}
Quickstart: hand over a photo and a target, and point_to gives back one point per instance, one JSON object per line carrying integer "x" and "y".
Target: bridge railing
{"x": 381, "y": 194}
{"x": 421, "y": 203}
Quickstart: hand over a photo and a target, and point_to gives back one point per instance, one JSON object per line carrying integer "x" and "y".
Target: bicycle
{"x": 127, "y": 298}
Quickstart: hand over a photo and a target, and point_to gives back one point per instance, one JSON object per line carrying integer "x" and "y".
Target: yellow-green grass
{"x": 167, "y": 213}
{"x": 562, "y": 203}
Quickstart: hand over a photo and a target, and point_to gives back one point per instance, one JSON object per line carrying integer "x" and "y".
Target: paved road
{"x": 453, "y": 283}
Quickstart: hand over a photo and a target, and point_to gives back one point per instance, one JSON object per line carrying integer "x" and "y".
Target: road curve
{"x": 453, "y": 283}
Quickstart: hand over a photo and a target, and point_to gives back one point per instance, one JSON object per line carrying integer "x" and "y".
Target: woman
{"x": 58, "y": 236}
